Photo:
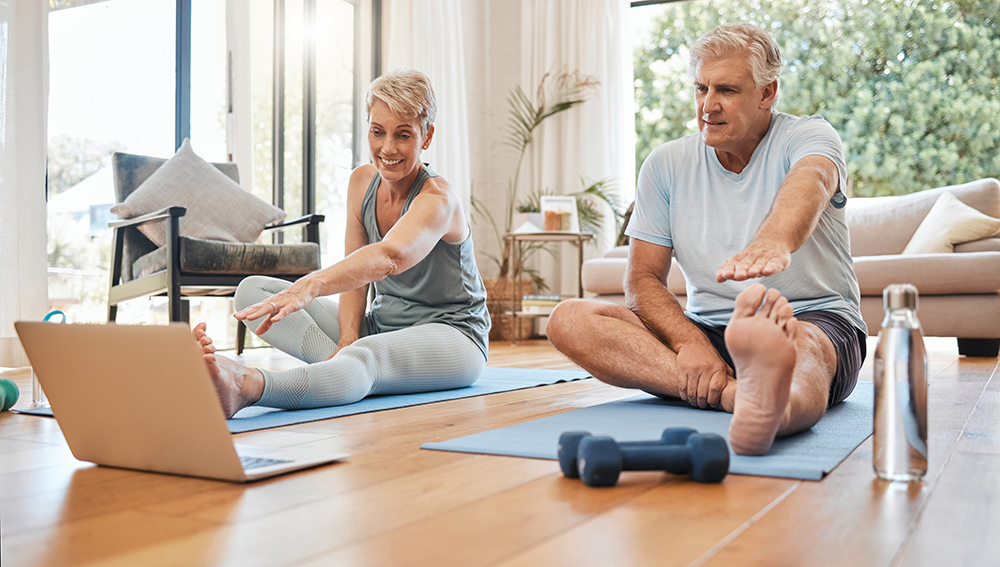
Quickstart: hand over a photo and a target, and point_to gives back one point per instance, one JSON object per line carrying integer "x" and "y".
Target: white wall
{"x": 493, "y": 68}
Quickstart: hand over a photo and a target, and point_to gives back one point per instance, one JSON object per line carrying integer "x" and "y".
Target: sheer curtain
{"x": 239, "y": 117}
{"x": 595, "y": 140}
{"x": 23, "y": 99}
{"x": 426, "y": 35}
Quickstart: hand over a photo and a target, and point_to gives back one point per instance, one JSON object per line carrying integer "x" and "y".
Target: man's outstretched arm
{"x": 809, "y": 186}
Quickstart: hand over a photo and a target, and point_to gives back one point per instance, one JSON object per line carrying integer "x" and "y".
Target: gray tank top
{"x": 444, "y": 287}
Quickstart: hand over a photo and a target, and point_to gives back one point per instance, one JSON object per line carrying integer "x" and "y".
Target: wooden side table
{"x": 517, "y": 241}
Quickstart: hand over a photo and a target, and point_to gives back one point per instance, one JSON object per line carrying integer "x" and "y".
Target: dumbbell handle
{"x": 674, "y": 459}
{"x": 639, "y": 444}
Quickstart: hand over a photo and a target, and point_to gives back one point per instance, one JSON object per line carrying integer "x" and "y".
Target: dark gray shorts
{"x": 848, "y": 341}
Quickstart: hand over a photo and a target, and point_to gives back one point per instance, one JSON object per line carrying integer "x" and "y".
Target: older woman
{"x": 408, "y": 234}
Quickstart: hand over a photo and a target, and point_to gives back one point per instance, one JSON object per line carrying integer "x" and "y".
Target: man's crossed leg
{"x": 785, "y": 366}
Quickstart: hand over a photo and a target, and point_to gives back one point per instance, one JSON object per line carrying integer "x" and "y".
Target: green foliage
{"x": 589, "y": 205}
{"x": 911, "y": 86}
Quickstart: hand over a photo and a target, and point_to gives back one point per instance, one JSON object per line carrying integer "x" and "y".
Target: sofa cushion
{"x": 217, "y": 207}
{"x": 606, "y": 276}
{"x": 968, "y": 316}
{"x": 617, "y": 252}
{"x": 933, "y": 274}
{"x": 948, "y": 223}
{"x": 881, "y": 226}
{"x": 984, "y": 245}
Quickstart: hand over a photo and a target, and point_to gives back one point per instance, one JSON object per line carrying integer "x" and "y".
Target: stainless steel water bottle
{"x": 900, "y": 448}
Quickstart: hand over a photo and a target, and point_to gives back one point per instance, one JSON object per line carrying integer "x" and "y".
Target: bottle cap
{"x": 900, "y": 296}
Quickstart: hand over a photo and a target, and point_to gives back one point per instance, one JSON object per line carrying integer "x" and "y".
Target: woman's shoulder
{"x": 363, "y": 174}
{"x": 357, "y": 187}
{"x": 437, "y": 183}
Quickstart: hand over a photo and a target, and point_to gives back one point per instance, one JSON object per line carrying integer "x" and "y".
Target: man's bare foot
{"x": 761, "y": 340}
{"x": 237, "y": 386}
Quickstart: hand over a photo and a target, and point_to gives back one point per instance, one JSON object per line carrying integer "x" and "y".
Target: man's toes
{"x": 749, "y": 300}
{"x": 771, "y": 299}
{"x": 783, "y": 311}
{"x": 791, "y": 326}
{"x": 780, "y": 310}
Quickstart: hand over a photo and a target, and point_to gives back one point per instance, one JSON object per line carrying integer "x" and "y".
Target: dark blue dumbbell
{"x": 570, "y": 441}
{"x": 705, "y": 457}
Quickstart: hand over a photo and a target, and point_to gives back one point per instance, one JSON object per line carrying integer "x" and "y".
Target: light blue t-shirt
{"x": 687, "y": 200}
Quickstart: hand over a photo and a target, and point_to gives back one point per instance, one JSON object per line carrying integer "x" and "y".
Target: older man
{"x": 756, "y": 194}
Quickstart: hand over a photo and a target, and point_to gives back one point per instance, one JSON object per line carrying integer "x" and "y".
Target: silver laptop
{"x": 140, "y": 397}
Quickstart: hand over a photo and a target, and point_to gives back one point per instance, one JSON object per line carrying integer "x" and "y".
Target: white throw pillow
{"x": 217, "y": 207}
{"x": 950, "y": 222}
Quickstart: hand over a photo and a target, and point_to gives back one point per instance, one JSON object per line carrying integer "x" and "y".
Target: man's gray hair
{"x": 730, "y": 39}
{"x": 408, "y": 93}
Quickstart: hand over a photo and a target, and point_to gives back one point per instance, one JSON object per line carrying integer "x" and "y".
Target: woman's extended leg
{"x": 310, "y": 335}
{"x": 424, "y": 358}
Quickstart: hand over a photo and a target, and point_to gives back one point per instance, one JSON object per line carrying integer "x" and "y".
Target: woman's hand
{"x": 280, "y": 305}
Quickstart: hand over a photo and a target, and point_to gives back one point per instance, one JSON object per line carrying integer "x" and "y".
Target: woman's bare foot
{"x": 761, "y": 340}
{"x": 237, "y": 386}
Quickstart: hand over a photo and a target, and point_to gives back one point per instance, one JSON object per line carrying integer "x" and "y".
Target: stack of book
{"x": 541, "y": 304}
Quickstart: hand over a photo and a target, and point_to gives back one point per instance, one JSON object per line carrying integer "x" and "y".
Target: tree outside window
{"x": 911, "y": 86}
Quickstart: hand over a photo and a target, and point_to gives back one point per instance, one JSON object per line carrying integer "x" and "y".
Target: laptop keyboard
{"x": 257, "y": 462}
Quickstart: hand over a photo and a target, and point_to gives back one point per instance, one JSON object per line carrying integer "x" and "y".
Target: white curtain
{"x": 239, "y": 121}
{"x": 595, "y": 140}
{"x": 426, "y": 35}
{"x": 23, "y": 100}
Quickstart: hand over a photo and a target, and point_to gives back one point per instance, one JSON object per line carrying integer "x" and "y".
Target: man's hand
{"x": 703, "y": 375}
{"x": 760, "y": 259}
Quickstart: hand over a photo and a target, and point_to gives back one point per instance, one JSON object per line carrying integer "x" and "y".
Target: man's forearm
{"x": 661, "y": 313}
{"x": 799, "y": 203}
{"x": 793, "y": 216}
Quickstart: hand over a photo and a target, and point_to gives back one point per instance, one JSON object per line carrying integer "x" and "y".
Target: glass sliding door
{"x": 335, "y": 114}
{"x": 315, "y": 135}
{"x": 113, "y": 76}
{"x": 111, "y": 88}
{"x": 209, "y": 67}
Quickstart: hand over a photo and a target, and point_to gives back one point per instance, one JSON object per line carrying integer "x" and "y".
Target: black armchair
{"x": 187, "y": 266}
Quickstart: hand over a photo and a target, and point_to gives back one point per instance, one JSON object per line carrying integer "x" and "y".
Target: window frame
{"x": 182, "y": 110}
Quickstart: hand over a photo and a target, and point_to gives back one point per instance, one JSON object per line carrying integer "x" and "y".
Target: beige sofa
{"x": 959, "y": 292}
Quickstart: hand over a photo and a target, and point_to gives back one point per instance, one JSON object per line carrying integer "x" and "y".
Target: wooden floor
{"x": 395, "y": 504}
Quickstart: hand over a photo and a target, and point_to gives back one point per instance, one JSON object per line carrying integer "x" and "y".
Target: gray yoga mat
{"x": 492, "y": 381}
{"x": 808, "y": 455}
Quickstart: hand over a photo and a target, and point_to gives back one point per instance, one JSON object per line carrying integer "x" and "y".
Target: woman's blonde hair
{"x": 729, "y": 39}
{"x": 408, "y": 93}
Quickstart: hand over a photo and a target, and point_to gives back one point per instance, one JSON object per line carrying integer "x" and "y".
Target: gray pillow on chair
{"x": 217, "y": 207}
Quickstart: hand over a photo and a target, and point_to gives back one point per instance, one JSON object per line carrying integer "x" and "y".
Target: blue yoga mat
{"x": 808, "y": 455}
{"x": 492, "y": 381}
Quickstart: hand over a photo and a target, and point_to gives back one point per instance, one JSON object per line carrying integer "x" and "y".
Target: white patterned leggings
{"x": 423, "y": 358}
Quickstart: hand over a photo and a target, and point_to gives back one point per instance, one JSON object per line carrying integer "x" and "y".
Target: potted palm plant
{"x": 556, "y": 93}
